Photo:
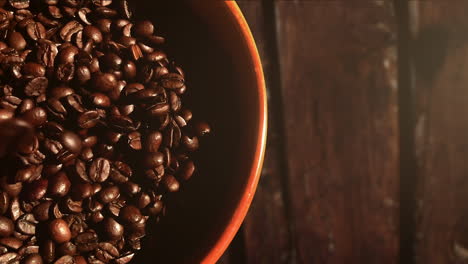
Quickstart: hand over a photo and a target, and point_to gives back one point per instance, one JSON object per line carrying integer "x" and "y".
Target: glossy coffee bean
{"x": 130, "y": 214}
{"x": 6, "y": 226}
{"x": 59, "y": 231}
{"x": 144, "y": 28}
{"x": 33, "y": 259}
{"x": 104, "y": 82}
{"x": 113, "y": 229}
{"x": 109, "y": 194}
{"x": 59, "y": 184}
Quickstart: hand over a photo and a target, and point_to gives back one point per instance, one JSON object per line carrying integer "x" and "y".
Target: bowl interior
{"x": 204, "y": 38}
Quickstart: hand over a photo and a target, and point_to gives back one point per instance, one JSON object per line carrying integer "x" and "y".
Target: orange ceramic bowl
{"x": 212, "y": 42}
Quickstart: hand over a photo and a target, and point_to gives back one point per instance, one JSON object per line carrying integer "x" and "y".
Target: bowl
{"x": 212, "y": 42}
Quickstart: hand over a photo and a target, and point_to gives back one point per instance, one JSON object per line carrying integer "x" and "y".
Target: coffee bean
{"x": 65, "y": 72}
{"x": 134, "y": 140}
{"x": 113, "y": 229}
{"x": 59, "y": 184}
{"x": 87, "y": 241}
{"x": 59, "y": 231}
{"x": 130, "y": 214}
{"x": 104, "y": 82}
{"x": 144, "y": 28}
{"x": 155, "y": 208}
{"x": 19, "y": 4}
{"x": 129, "y": 70}
{"x": 125, "y": 259}
{"x": 70, "y": 29}
{"x": 88, "y": 119}
{"x": 67, "y": 248}
{"x": 190, "y": 143}
{"x": 153, "y": 160}
{"x": 27, "y": 224}
{"x": 11, "y": 242}
{"x": 6, "y": 226}
{"x": 65, "y": 260}
{"x": 171, "y": 183}
{"x": 93, "y": 33}
{"x": 47, "y": 251}
{"x": 131, "y": 188}
{"x": 67, "y": 54}
{"x": 16, "y": 41}
{"x": 42, "y": 211}
{"x": 36, "y": 190}
{"x": 106, "y": 252}
{"x": 33, "y": 69}
{"x": 99, "y": 170}
{"x": 71, "y": 206}
{"x": 109, "y": 194}
{"x": 36, "y": 30}
{"x": 79, "y": 260}
{"x": 172, "y": 81}
{"x": 33, "y": 259}
{"x": 36, "y": 116}
{"x": 9, "y": 258}
{"x": 100, "y": 100}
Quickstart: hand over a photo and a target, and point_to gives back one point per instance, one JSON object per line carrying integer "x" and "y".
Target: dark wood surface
{"x": 368, "y": 133}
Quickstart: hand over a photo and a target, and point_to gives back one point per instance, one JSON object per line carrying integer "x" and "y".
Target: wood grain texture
{"x": 266, "y": 227}
{"x": 440, "y": 63}
{"x": 339, "y": 88}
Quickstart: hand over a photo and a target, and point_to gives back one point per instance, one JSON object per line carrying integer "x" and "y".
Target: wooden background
{"x": 367, "y": 157}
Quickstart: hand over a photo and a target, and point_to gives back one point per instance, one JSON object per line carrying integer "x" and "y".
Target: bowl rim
{"x": 246, "y": 199}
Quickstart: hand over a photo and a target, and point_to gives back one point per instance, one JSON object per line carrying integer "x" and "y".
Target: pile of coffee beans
{"x": 94, "y": 132}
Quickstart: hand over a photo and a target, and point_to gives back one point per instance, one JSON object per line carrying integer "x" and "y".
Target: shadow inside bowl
{"x": 205, "y": 40}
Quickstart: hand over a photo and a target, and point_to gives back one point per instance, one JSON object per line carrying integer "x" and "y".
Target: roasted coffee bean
{"x": 16, "y": 41}
{"x": 99, "y": 170}
{"x": 59, "y": 184}
{"x": 42, "y": 211}
{"x": 153, "y": 160}
{"x": 190, "y": 143}
{"x": 131, "y": 188}
{"x": 70, "y": 29}
{"x": 36, "y": 116}
{"x": 27, "y": 224}
{"x": 100, "y": 100}
{"x": 65, "y": 72}
{"x": 9, "y": 258}
{"x": 33, "y": 259}
{"x": 47, "y": 251}
{"x": 59, "y": 231}
{"x": 4, "y": 202}
{"x": 113, "y": 230}
{"x": 171, "y": 183}
{"x": 71, "y": 206}
{"x": 11, "y": 242}
{"x": 186, "y": 170}
{"x": 144, "y": 28}
{"x": 87, "y": 241}
{"x": 130, "y": 214}
{"x": 93, "y": 33}
{"x": 67, "y": 248}
{"x": 65, "y": 260}
{"x": 134, "y": 140}
{"x": 88, "y": 119}
{"x": 104, "y": 82}
{"x": 36, "y": 30}
{"x": 6, "y": 226}
{"x": 36, "y": 190}
{"x": 106, "y": 252}
{"x": 34, "y": 69}
{"x": 109, "y": 194}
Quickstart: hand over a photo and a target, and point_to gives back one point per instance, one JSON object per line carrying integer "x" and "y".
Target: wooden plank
{"x": 267, "y": 236}
{"x": 440, "y": 61}
{"x": 339, "y": 88}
